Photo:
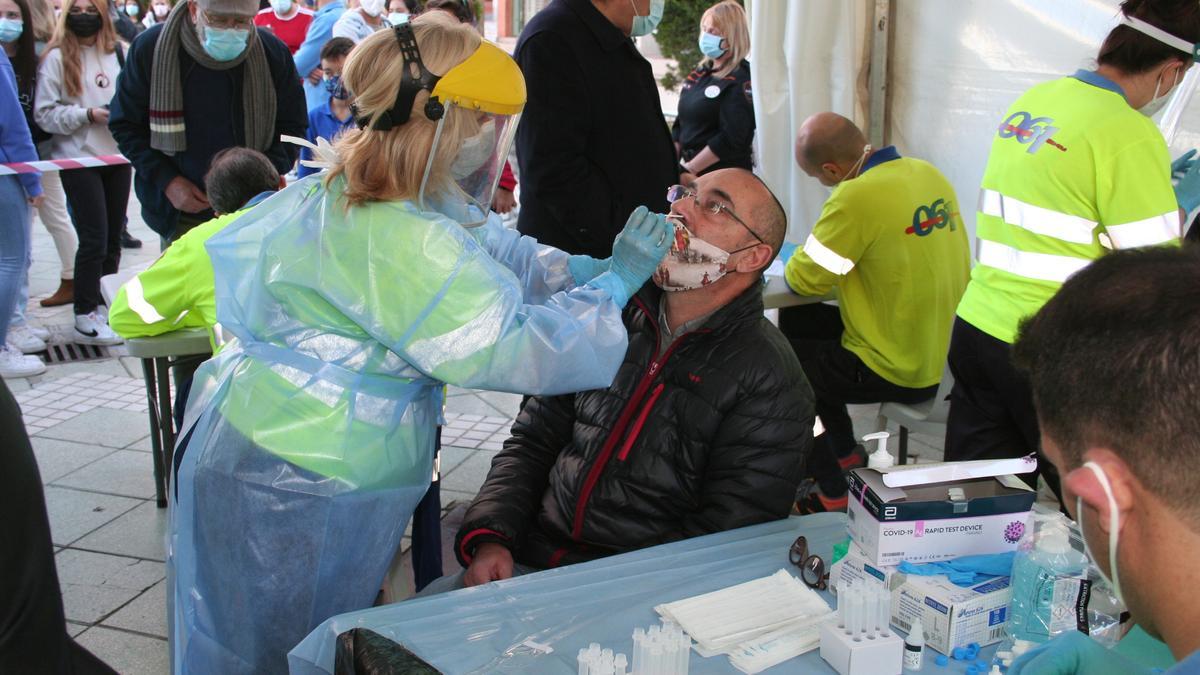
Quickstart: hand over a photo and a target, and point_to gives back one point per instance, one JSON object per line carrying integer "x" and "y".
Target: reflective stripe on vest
{"x": 1043, "y": 266}
{"x": 1036, "y": 219}
{"x": 825, "y": 257}
{"x": 1148, "y": 232}
{"x": 136, "y": 297}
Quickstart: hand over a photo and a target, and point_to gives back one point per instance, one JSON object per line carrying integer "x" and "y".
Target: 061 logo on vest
{"x": 937, "y": 215}
{"x": 1029, "y": 130}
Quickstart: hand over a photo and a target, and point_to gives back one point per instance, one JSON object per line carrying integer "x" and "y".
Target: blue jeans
{"x": 18, "y": 315}
{"x": 14, "y": 248}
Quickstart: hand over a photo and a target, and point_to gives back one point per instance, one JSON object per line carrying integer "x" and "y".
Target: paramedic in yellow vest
{"x": 891, "y": 241}
{"x": 1076, "y": 168}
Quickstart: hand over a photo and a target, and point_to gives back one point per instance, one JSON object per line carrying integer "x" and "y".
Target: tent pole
{"x": 881, "y": 29}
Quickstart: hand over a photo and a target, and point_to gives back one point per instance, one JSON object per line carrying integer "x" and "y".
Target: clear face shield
{"x": 1171, "y": 115}
{"x": 483, "y": 145}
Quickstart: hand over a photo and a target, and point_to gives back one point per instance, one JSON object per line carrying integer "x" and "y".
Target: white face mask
{"x": 281, "y": 7}
{"x": 475, "y": 151}
{"x": 161, "y": 10}
{"x": 373, "y": 8}
{"x": 692, "y": 262}
{"x": 1114, "y": 532}
{"x": 1157, "y": 102}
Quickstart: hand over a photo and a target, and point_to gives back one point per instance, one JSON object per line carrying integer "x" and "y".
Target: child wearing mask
{"x": 331, "y": 118}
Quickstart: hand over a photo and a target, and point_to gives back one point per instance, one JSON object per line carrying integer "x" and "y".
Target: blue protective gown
{"x": 312, "y": 432}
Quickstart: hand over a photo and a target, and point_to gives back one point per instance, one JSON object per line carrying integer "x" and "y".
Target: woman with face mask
{"x": 157, "y": 13}
{"x": 715, "y": 125}
{"x": 356, "y": 295}
{"x": 363, "y": 18}
{"x": 1077, "y": 167}
{"x": 76, "y": 81}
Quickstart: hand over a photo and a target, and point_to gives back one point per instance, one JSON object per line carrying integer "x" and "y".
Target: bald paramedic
{"x": 892, "y": 244}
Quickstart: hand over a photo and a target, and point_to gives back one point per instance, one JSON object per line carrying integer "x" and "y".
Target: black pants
{"x": 33, "y": 631}
{"x": 837, "y": 377}
{"x": 427, "y": 531}
{"x": 97, "y": 197}
{"x": 991, "y": 407}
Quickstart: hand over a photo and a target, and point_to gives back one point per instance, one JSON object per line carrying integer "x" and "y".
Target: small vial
{"x": 583, "y": 662}
{"x": 654, "y": 662}
{"x": 856, "y": 618}
{"x": 871, "y": 613}
{"x": 639, "y": 637}
{"x": 914, "y": 647}
{"x": 885, "y": 613}
{"x": 685, "y": 645}
{"x": 619, "y": 664}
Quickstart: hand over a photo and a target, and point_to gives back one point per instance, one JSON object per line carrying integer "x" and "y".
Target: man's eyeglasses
{"x": 227, "y": 20}
{"x": 712, "y": 206}
{"x": 812, "y": 567}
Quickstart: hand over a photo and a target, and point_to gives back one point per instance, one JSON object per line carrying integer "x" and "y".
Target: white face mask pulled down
{"x": 1114, "y": 531}
{"x": 692, "y": 262}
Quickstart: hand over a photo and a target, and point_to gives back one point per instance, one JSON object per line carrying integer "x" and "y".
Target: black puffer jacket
{"x": 711, "y": 436}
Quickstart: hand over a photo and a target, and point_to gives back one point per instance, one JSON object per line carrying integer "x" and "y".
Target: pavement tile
{"x": 127, "y": 653}
{"x": 128, "y": 473}
{"x": 469, "y": 475}
{"x": 57, "y": 458}
{"x": 508, "y": 404}
{"x": 453, "y": 456}
{"x": 470, "y": 408}
{"x": 110, "y": 428}
{"x": 141, "y": 532}
{"x": 96, "y": 584}
{"x": 146, "y": 614}
{"x": 142, "y": 444}
{"x": 74, "y": 513}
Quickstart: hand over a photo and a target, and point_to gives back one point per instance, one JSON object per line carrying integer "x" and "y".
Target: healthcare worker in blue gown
{"x": 354, "y": 295}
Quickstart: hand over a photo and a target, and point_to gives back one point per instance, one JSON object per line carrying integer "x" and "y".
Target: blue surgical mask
{"x": 225, "y": 44}
{"x": 132, "y": 9}
{"x": 397, "y": 18}
{"x": 10, "y": 30}
{"x": 645, "y": 25}
{"x": 710, "y": 45}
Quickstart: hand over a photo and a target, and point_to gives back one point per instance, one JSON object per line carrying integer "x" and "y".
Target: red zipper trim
{"x": 556, "y": 558}
{"x": 641, "y": 420}
{"x": 462, "y": 546}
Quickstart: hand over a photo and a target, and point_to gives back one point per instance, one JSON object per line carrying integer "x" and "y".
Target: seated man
{"x": 705, "y": 427}
{"x": 891, "y": 241}
{"x": 1113, "y": 361}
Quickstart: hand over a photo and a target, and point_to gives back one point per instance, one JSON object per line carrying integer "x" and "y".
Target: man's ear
{"x": 1084, "y": 483}
{"x": 832, "y": 171}
{"x": 755, "y": 259}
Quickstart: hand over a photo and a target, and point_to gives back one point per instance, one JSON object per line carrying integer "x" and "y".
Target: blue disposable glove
{"x": 1187, "y": 190}
{"x": 1073, "y": 653}
{"x": 966, "y": 570}
{"x": 638, "y": 250}
{"x": 584, "y": 268}
{"x": 1181, "y": 165}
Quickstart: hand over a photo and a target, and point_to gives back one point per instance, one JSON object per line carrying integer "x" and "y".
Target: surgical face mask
{"x": 645, "y": 25}
{"x": 474, "y": 152}
{"x": 691, "y": 262}
{"x": 10, "y": 30}
{"x": 397, "y": 18}
{"x": 373, "y": 7}
{"x": 132, "y": 9}
{"x": 333, "y": 86}
{"x": 225, "y": 44}
{"x": 83, "y": 24}
{"x": 1157, "y": 102}
{"x": 1114, "y": 532}
{"x": 281, "y": 7}
{"x": 855, "y": 170}
{"x": 162, "y": 10}
{"x": 710, "y": 45}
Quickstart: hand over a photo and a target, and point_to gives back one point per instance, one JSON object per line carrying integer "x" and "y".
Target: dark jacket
{"x": 212, "y": 111}
{"x": 717, "y": 113}
{"x": 592, "y": 144}
{"x": 711, "y": 436}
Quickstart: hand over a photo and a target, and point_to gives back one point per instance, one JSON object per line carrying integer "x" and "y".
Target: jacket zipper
{"x": 641, "y": 420}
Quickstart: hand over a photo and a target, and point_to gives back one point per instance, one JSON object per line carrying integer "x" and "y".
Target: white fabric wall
{"x": 956, "y": 67}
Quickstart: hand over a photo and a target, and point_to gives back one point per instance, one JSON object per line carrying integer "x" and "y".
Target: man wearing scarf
{"x": 204, "y": 80}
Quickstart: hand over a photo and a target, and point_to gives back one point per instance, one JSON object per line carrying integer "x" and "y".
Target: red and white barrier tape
{"x": 43, "y": 166}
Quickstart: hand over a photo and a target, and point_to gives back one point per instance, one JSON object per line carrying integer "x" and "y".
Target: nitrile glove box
{"x": 906, "y": 513}
{"x": 952, "y": 616}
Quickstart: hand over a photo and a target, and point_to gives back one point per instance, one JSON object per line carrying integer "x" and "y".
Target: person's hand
{"x": 98, "y": 115}
{"x": 36, "y": 202}
{"x": 316, "y": 75}
{"x": 1073, "y": 653}
{"x": 1181, "y": 165}
{"x": 686, "y": 178}
{"x": 637, "y": 252}
{"x": 504, "y": 201}
{"x": 584, "y": 268}
{"x": 492, "y": 562}
{"x": 185, "y": 196}
{"x": 1187, "y": 190}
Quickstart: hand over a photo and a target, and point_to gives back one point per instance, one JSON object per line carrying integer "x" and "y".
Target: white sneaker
{"x": 90, "y": 329}
{"x": 25, "y": 340}
{"x": 15, "y": 364}
{"x": 42, "y": 334}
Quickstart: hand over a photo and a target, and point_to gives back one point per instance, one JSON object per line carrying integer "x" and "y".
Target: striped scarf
{"x": 168, "y": 132}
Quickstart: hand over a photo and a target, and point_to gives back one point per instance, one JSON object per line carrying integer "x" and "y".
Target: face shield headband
{"x": 415, "y": 78}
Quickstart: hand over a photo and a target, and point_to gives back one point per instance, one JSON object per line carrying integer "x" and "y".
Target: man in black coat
{"x": 705, "y": 428}
{"x": 592, "y": 144}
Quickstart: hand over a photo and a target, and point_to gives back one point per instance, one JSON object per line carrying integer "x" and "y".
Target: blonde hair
{"x": 43, "y": 19}
{"x": 67, "y": 42}
{"x": 389, "y": 165}
{"x": 729, "y": 18}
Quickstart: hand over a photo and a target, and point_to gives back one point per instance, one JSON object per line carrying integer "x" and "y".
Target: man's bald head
{"x": 755, "y": 203}
{"x": 828, "y": 145}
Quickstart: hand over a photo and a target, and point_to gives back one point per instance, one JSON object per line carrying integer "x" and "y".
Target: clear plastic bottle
{"x": 1045, "y": 583}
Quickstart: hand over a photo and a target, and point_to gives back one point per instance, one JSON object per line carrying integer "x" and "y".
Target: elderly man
{"x": 891, "y": 241}
{"x": 705, "y": 428}
{"x": 204, "y": 80}
{"x": 1113, "y": 360}
{"x": 592, "y": 144}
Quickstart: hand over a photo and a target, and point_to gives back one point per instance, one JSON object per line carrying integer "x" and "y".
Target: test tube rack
{"x": 860, "y": 641}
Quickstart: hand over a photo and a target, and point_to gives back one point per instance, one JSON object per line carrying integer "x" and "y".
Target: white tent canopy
{"x": 955, "y": 67}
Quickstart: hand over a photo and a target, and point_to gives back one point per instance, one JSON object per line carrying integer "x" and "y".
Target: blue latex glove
{"x": 1072, "y": 653}
{"x": 1187, "y": 190}
{"x": 1181, "y": 165}
{"x": 965, "y": 571}
{"x": 637, "y": 251}
{"x": 786, "y": 251}
{"x": 584, "y": 268}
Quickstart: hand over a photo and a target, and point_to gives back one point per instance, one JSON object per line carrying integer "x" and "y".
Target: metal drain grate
{"x": 71, "y": 352}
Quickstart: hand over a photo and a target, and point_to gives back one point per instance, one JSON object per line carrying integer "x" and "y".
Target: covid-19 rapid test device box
{"x": 931, "y": 512}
